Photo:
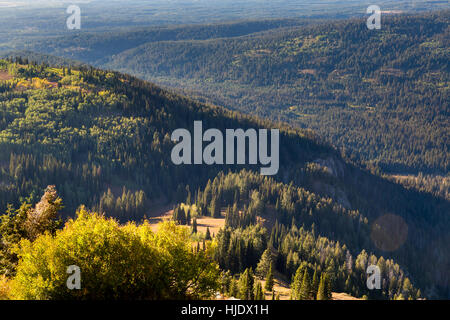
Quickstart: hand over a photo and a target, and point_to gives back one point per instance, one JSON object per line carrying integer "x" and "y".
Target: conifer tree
{"x": 259, "y": 294}
{"x": 188, "y": 217}
{"x": 315, "y": 284}
{"x": 236, "y": 196}
{"x": 182, "y": 216}
{"x": 174, "y": 214}
{"x": 194, "y": 225}
{"x": 297, "y": 283}
{"x": 179, "y": 215}
{"x": 234, "y": 291}
{"x": 264, "y": 264}
{"x": 418, "y": 294}
{"x": 305, "y": 290}
{"x": 208, "y": 234}
{"x": 246, "y": 281}
{"x": 226, "y": 282}
{"x": 199, "y": 201}
{"x": 328, "y": 286}
{"x": 214, "y": 209}
{"x": 269, "y": 279}
{"x": 321, "y": 291}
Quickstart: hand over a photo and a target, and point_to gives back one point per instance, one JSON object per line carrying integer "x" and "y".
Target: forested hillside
{"x": 97, "y": 48}
{"x": 103, "y": 139}
{"x": 22, "y": 22}
{"x": 380, "y": 95}
{"x": 273, "y": 223}
{"x": 90, "y": 129}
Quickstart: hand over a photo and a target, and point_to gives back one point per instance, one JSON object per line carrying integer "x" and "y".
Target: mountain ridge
{"x": 329, "y": 76}
{"x": 88, "y": 130}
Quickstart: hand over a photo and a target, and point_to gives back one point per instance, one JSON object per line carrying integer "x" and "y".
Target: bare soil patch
{"x": 4, "y": 75}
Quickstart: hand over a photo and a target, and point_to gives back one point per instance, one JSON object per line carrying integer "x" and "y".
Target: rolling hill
{"x": 103, "y": 139}
{"x": 379, "y": 96}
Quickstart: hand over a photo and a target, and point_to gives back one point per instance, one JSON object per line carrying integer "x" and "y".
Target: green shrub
{"x": 116, "y": 262}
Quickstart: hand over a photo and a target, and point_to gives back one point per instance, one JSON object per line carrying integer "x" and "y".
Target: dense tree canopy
{"x": 103, "y": 139}
{"x": 381, "y": 96}
{"x": 116, "y": 262}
